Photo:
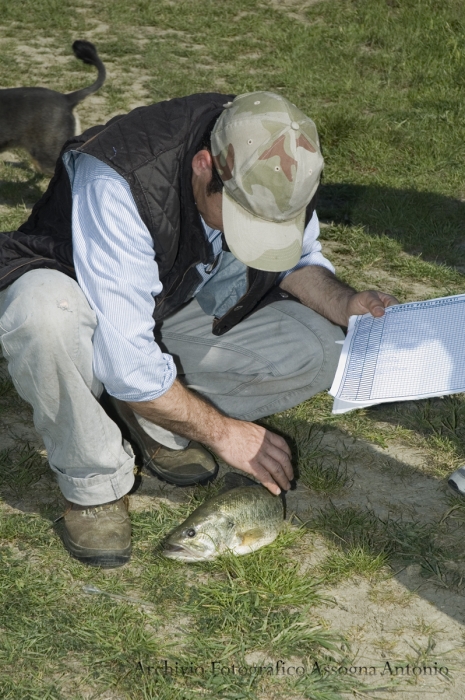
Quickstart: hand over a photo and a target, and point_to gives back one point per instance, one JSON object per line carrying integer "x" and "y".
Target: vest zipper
{"x": 176, "y": 286}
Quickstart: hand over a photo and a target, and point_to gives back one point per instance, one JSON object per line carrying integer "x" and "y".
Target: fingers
{"x": 376, "y": 310}
{"x": 275, "y": 470}
{"x": 277, "y": 459}
{"x": 379, "y": 301}
{"x": 280, "y": 451}
{"x": 259, "y": 452}
{"x": 371, "y": 302}
{"x": 374, "y": 304}
{"x": 272, "y": 465}
{"x": 265, "y": 478}
{"x": 388, "y": 299}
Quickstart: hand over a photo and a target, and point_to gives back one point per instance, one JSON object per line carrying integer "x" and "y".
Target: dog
{"x": 41, "y": 120}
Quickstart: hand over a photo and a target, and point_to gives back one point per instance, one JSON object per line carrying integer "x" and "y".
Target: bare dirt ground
{"x": 399, "y": 616}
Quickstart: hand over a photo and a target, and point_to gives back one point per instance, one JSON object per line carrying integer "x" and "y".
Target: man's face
{"x": 210, "y": 206}
{"x": 211, "y": 210}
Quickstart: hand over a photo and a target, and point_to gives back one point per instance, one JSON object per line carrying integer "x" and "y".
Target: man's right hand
{"x": 243, "y": 445}
{"x": 256, "y": 451}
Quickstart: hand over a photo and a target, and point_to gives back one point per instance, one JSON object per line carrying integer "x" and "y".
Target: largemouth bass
{"x": 239, "y": 519}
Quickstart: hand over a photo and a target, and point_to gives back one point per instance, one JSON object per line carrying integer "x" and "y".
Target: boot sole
{"x": 92, "y": 557}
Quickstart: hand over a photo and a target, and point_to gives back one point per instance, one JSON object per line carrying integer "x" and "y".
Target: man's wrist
{"x": 348, "y": 311}
{"x": 185, "y": 413}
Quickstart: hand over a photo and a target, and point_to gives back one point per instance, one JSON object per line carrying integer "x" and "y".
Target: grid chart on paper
{"x": 374, "y": 370}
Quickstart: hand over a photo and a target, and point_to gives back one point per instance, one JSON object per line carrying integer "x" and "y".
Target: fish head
{"x": 202, "y": 537}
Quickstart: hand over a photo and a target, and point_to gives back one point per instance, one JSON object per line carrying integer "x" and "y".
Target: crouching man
{"x": 174, "y": 261}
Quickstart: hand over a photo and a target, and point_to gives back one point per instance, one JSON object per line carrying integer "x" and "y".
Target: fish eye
{"x": 190, "y": 532}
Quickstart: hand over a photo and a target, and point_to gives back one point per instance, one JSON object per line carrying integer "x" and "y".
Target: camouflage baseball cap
{"x": 267, "y": 153}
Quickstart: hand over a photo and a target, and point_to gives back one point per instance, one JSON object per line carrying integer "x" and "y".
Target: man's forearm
{"x": 317, "y": 287}
{"x": 320, "y": 290}
{"x": 185, "y": 413}
{"x": 241, "y": 444}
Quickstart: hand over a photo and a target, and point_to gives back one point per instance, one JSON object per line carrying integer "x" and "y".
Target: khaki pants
{"x": 272, "y": 361}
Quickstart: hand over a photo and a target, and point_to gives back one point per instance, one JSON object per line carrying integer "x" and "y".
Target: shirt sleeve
{"x": 115, "y": 266}
{"x": 311, "y": 249}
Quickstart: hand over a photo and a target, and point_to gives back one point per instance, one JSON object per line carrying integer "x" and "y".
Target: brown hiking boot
{"x": 192, "y": 465}
{"x": 98, "y": 535}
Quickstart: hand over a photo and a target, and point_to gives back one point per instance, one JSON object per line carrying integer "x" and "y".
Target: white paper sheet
{"x": 414, "y": 351}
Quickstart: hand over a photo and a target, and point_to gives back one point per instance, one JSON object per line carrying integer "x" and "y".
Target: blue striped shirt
{"x": 115, "y": 266}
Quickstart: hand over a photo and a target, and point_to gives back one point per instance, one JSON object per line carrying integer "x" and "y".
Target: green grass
{"x": 21, "y": 468}
{"x": 320, "y": 469}
{"x": 50, "y": 627}
{"x": 368, "y": 543}
{"x": 357, "y": 561}
{"x": 358, "y": 254}
{"x": 384, "y": 83}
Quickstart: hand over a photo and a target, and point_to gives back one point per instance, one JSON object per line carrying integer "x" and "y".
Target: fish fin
{"x": 249, "y": 537}
{"x": 233, "y": 480}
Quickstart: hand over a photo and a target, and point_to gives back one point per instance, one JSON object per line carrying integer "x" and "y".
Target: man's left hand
{"x": 369, "y": 301}
{"x": 320, "y": 290}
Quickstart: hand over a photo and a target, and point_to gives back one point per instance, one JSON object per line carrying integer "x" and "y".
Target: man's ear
{"x": 202, "y": 163}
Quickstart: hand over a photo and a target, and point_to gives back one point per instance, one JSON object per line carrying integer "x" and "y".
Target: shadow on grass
{"x": 378, "y": 509}
{"x": 13, "y": 194}
{"x": 423, "y": 222}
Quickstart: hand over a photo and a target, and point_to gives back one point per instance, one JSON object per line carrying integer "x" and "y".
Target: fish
{"x": 241, "y": 518}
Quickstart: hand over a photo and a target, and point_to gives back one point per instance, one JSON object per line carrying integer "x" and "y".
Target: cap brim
{"x": 265, "y": 245}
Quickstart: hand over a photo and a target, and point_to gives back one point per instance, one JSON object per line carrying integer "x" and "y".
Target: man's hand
{"x": 257, "y": 451}
{"x": 369, "y": 301}
{"x": 319, "y": 289}
{"x": 241, "y": 444}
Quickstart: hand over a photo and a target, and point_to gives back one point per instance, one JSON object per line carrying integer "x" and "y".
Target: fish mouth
{"x": 173, "y": 548}
{"x": 177, "y": 551}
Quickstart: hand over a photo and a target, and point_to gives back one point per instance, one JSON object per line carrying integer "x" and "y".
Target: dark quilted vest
{"x": 152, "y": 148}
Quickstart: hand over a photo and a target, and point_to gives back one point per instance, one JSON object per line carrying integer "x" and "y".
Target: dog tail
{"x": 87, "y": 53}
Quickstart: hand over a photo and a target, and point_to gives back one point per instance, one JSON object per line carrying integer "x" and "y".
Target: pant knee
{"x": 44, "y": 299}
{"x": 46, "y": 308}
{"x": 310, "y": 345}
